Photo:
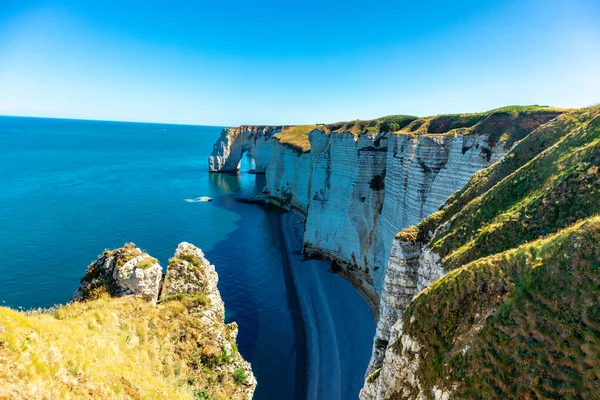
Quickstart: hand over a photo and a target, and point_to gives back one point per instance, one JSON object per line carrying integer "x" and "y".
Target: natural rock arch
{"x": 234, "y": 142}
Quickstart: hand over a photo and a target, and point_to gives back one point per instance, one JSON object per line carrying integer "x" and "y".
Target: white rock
{"x": 126, "y": 279}
{"x": 359, "y": 192}
{"x": 143, "y": 282}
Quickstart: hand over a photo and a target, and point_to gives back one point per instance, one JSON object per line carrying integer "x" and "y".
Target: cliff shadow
{"x": 256, "y": 292}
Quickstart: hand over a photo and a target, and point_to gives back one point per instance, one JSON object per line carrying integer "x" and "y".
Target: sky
{"x": 229, "y": 62}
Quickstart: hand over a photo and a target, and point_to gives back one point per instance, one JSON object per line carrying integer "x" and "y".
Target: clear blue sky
{"x": 232, "y": 62}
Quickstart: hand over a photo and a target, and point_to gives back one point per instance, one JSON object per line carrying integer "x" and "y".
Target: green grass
{"x": 201, "y": 394}
{"x": 446, "y": 123}
{"x": 189, "y": 257}
{"x": 188, "y": 299}
{"x": 374, "y": 375}
{"x": 510, "y": 123}
{"x": 99, "y": 282}
{"x": 296, "y": 137}
{"x": 390, "y": 123}
{"x": 531, "y": 109}
{"x": 146, "y": 263}
{"x": 551, "y": 191}
{"x": 530, "y": 317}
{"x": 239, "y": 375}
{"x": 502, "y": 121}
{"x": 459, "y": 206}
{"x": 517, "y": 315}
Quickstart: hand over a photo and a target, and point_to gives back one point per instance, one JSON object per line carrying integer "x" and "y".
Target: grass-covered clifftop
{"x": 548, "y": 182}
{"x": 296, "y": 137}
{"x": 517, "y": 316}
{"x": 126, "y": 347}
{"x": 390, "y": 123}
{"x": 111, "y": 348}
{"x": 510, "y": 123}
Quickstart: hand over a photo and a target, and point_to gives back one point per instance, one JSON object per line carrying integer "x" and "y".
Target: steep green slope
{"x": 514, "y": 122}
{"x": 549, "y": 181}
{"x": 520, "y": 324}
{"x": 518, "y": 314}
{"x": 552, "y": 191}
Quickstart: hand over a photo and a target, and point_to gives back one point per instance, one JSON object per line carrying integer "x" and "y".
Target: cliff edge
{"x": 496, "y": 295}
{"x": 128, "y": 334}
{"x": 359, "y": 183}
{"x": 492, "y": 296}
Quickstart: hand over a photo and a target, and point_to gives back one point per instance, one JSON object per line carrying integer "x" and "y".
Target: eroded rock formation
{"x": 234, "y": 142}
{"x": 358, "y": 186}
{"x": 190, "y": 280}
{"x": 357, "y": 190}
{"x": 121, "y": 272}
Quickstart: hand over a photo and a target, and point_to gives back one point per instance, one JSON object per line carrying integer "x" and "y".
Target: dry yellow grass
{"x": 296, "y": 137}
{"x": 121, "y": 348}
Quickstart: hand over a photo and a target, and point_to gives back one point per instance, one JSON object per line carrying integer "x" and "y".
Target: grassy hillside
{"x": 510, "y": 123}
{"x": 121, "y": 347}
{"x": 518, "y": 315}
{"x": 548, "y": 182}
{"x": 390, "y": 123}
{"x": 520, "y": 324}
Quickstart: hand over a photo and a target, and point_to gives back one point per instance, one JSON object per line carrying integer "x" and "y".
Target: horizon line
{"x": 235, "y": 126}
{"x": 110, "y": 120}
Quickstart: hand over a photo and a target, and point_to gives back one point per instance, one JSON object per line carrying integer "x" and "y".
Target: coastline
{"x": 297, "y": 315}
{"x": 337, "y": 323}
{"x": 357, "y": 278}
{"x": 311, "y": 308}
{"x": 362, "y": 282}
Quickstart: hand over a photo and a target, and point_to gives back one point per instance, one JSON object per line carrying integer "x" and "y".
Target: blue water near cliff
{"x": 69, "y": 189}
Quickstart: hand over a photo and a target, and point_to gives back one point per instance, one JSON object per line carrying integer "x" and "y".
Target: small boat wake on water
{"x": 201, "y": 199}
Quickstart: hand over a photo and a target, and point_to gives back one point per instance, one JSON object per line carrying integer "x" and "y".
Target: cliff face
{"x": 128, "y": 335}
{"x": 481, "y": 274}
{"x": 358, "y": 187}
{"x": 512, "y": 266}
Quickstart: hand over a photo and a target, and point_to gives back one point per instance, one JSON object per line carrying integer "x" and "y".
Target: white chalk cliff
{"x": 357, "y": 191}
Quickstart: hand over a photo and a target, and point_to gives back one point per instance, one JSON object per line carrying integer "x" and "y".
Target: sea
{"x": 71, "y": 188}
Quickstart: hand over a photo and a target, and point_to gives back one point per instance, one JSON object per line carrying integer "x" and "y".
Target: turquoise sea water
{"x": 69, "y": 189}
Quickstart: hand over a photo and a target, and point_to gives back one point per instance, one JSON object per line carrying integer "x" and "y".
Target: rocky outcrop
{"x": 191, "y": 280}
{"x": 190, "y": 275}
{"x": 121, "y": 272}
{"x": 412, "y": 267}
{"x": 359, "y": 185}
{"x": 367, "y": 188}
{"x": 500, "y": 280}
{"x": 190, "y": 272}
{"x": 288, "y": 177}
